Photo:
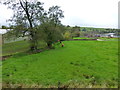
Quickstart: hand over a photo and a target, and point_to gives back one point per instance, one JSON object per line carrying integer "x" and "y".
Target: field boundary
{"x": 82, "y": 39}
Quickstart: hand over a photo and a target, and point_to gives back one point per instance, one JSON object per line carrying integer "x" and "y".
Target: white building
{"x": 3, "y": 31}
{"x": 108, "y": 35}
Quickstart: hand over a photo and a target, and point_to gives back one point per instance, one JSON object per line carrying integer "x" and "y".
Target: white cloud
{"x": 5, "y": 14}
{"x": 95, "y": 13}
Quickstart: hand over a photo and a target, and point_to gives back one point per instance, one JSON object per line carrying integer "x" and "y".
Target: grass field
{"x": 102, "y": 38}
{"x": 17, "y": 47}
{"x": 77, "y": 64}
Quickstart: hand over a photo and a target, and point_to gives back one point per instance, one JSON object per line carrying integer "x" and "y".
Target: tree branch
{"x": 22, "y": 5}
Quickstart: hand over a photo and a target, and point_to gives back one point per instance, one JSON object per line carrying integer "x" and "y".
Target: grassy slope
{"x": 81, "y": 62}
{"x": 16, "y": 47}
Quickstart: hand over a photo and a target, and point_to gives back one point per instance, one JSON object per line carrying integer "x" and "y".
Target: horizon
{"x": 3, "y": 31}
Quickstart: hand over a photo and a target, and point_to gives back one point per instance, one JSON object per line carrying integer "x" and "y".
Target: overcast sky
{"x": 84, "y": 13}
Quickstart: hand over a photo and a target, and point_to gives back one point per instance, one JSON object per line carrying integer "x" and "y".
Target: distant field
{"x": 14, "y": 47}
{"x": 102, "y": 38}
{"x": 77, "y": 64}
{"x": 82, "y": 38}
{"x": 18, "y": 46}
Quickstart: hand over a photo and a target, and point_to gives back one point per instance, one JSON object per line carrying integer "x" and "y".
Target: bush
{"x": 67, "y": 35}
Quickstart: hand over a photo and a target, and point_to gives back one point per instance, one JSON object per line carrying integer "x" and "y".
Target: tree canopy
{"x": 29, "y": 15}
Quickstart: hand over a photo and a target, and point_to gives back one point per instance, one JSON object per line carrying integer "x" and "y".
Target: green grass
{"x": 14, "y": 47}
{"x": 77, "y": 64}
{"x": 102, "y": 38}
{"x": 18, "y": 46}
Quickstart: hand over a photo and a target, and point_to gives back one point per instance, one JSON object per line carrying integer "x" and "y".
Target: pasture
{"x": 79, "y": 64}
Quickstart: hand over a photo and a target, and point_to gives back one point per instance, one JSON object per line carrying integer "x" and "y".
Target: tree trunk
{"x": 33, "y": 39}
{"x": 33, "y": 42}
{"x": 49, "y": 45}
